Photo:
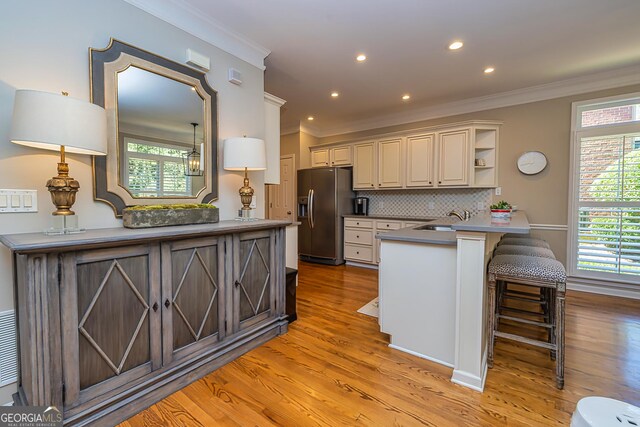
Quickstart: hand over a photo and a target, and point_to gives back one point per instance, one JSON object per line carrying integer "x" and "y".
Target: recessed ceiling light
{"x": 193, "y": 88}
{"x": 335, "y": 94}
{"x": 456, "y": 45}
{"x": 361, "y": 57}
{"x": 310, "y": 118}
{"x": 489, "y": 70}
{"x": 406, "y": 97}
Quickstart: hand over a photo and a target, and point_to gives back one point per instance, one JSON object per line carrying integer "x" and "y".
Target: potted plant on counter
{"x": 501, "y": 210}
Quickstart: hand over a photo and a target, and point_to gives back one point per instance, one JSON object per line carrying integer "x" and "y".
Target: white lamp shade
{"x": 243, "y": 152}
{"x": 47, "y": 120}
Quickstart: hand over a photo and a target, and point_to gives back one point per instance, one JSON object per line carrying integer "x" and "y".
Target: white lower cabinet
{"x": 360, "y": 244}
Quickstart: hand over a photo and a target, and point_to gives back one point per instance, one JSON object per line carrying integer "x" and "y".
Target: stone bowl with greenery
{"x": 146, "y": 216}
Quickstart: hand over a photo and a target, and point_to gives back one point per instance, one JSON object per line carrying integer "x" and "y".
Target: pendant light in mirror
{"x": 193, "y": 161}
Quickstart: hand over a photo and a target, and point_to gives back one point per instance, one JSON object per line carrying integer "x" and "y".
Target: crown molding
{"x": 591, "y": 83}
{"x": 301, "y": 128}
{"x": 198, "y": 24}
{"x": 290, "y": 130}
{"x": 310, "y": 130}
{"x": 274, "y": 99}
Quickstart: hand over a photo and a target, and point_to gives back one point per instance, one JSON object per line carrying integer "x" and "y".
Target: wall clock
{"x": 532, "y": 162}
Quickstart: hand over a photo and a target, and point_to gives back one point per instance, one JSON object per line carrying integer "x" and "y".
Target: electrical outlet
{"x": 432, "y": 205}
{"x": 498, "y": 191}
{"x": 253, "y": 204}
{"x": 380, "y": 204}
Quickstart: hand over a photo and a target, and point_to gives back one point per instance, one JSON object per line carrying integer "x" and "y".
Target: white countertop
{"x": 518, "y": 223}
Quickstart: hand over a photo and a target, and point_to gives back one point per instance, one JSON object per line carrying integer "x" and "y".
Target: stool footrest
{"x": 522, "y": 293}
{"x": 525, "y": 340}
{"x": 518, "y": 310}
{"x": 526, "y": 321}
{"x": 534, "y": 300}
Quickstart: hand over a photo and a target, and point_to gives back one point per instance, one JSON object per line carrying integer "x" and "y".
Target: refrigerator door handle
{"x": 309, "y": 201}
{"x": 312, "y": 205}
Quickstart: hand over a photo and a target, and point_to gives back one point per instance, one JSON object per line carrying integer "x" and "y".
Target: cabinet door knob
{"x": 167, "y": 303}
{"x": 387, "y": 225}
{"x": 357, "y": 236}
{"x": 155, "y": 307}
{"x": 358, "y": 252}
{"x": 237, "y": 283}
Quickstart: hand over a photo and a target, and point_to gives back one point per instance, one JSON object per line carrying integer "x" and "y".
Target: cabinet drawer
{"x": 358, "y": 253}
{"x": 361, "y": 237}
{"x": 388, "y": 225}
{"x": 358, "y": 223}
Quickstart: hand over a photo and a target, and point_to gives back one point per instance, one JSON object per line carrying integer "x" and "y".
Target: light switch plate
{"x": 12, "y": 201}
{"x": 498, "y": 191}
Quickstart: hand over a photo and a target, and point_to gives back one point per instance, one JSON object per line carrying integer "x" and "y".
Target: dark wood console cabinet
{"x": 111, "y": 321}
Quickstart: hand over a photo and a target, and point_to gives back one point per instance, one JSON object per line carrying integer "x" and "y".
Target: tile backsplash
{"x": 427, "y": 202}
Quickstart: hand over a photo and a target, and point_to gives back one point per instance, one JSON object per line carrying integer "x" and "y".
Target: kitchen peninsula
{"x": 433, "y": 298}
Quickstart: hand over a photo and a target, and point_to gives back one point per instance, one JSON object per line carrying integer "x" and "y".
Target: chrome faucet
{"x": 462, "y": 217}
{"x": 454, "y": 213}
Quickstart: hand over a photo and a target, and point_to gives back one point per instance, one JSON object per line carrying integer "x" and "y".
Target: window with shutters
{"x": 155, "y": 170}
{"x": 605, "y": 213}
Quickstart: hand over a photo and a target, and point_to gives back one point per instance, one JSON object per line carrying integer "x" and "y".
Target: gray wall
{"x": 44, "y": 46}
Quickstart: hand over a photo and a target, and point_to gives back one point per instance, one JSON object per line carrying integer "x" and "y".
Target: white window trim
{"x": 576, "y": 134}
{"x": 157, "y": 157}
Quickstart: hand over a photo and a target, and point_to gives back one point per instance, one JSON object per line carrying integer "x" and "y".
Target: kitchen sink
{"x": 434, "y": 228}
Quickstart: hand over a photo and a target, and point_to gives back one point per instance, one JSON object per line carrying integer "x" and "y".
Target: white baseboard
{"x": 422, "y": 356}
{"x": 471, "y": 381}
{"x": 613, "y": 290}
{"x": 363, "y": 265}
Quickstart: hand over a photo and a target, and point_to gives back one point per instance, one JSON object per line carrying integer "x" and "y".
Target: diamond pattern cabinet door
{"x": 193, "y": 300}
{"x": 254, "y": 278}
{"x": 111, "y": 334}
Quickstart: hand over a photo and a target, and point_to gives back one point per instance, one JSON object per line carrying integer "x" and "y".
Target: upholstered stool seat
{"x": 546, "y": 274}
{"x": 528, "y": 267}
{"x": 516, "y": 236}
{"x": 539, "y": 243}
{"x": 524, "y": 250}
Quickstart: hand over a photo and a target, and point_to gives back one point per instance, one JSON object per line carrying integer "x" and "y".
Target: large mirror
{"x": 162, "y": 123}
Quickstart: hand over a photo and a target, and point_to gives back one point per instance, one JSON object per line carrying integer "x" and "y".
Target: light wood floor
{"x": 334, "y": 368}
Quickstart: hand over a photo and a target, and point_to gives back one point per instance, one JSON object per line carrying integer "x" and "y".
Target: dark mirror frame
{"x": 97, "y": 59}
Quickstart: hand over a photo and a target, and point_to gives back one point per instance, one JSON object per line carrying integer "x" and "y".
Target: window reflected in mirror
{"x": 155, "y": 133}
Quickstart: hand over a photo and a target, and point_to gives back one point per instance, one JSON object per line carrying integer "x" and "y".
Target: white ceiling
{"x": 313, "y": 46}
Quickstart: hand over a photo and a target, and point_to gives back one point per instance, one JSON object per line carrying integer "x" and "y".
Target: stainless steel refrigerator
{"x": 324, "y": 195}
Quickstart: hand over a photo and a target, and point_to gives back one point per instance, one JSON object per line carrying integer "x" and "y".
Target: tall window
{"x": 155, "y": 170}
{"x": 605, "y": 211}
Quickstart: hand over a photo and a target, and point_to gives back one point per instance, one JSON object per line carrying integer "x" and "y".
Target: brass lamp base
{"x": 246, "y": 193}
{"x": 63, "y": 190}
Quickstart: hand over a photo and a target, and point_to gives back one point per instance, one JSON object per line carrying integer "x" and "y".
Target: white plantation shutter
{"x": 156, "y": 170}
{"x": 606, "y": 214}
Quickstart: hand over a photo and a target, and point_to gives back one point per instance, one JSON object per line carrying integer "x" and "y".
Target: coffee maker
{"x": 361, "y": 206}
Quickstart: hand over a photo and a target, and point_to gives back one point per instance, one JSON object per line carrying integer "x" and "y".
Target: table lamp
{"x": 247, "y": 154}
{"x": 60, "y": 123}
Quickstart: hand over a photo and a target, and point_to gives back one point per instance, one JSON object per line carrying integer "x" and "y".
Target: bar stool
{"x": 539, "y": 243}
{"x": 542, "y": 298}
{"x": 536, "y": 272}
{"x": 524, "y": 250}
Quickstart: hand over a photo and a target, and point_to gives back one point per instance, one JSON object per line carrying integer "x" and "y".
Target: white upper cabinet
{"x": 364, "y": 166}
{"x": 336, "y": 156}
{"x": 341, "y": 156}
{"x": 419, "y": 170}
{"x": 320, "y": 158}
{"x": 463, "y": 154}
{"x": 453, "y": 156}
{"x": 390, "y": 156}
